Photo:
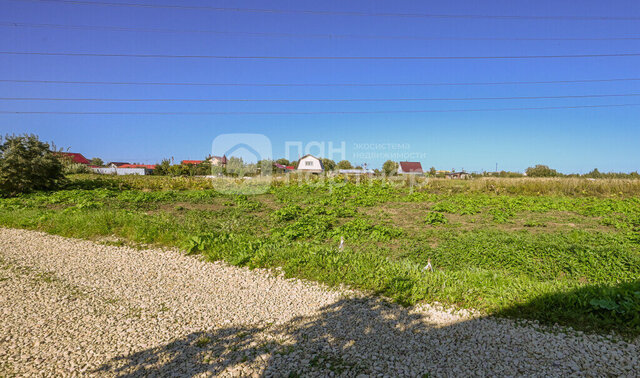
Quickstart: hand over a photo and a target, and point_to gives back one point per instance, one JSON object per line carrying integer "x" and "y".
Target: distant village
{"x": 221, "y": 166}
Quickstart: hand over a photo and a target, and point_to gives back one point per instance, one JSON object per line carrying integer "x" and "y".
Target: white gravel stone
{"x": 76, "y": 308}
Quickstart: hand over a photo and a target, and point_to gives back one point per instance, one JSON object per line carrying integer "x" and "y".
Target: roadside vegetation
{"x": 553, "y": 249}
{"x": 556, "y": 250}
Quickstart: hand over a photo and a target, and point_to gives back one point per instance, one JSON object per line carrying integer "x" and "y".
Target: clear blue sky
{"x": 571, "y": 140}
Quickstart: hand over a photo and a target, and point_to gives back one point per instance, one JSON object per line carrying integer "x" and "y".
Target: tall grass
{"x": 539, "y": 186}
{"x": 509, "y": 186}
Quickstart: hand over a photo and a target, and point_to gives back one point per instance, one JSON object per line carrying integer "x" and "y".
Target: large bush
{"x": 390, "y": 168}
{"x": 27, "y": 164}
{"x": 162, "y": 168}
{"x": 542, "y": 171}
{"x": 344, "y": 164}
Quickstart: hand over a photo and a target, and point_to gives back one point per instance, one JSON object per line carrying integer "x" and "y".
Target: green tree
{"x": 541, "y": 171}
{"x": 283, "y": 161}
{"x": 432, "y": 171}
{"x": 594, "y": 174}
{"x": 235, "y": 167}
{"x": 180, "y": 170}
{"x": 203, "y": 169}
{"x": 329, "y": 165}
{"x": 344, "y": 164}
{"x": 27, "y": 164}
{"x": 96, "y": 161}
{"x": 390, "y": 167}
{"x": 162, "y": 169}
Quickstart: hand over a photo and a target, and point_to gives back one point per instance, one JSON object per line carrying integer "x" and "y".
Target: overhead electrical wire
{"x": 337, "y": 13}
{"x": 307, "y": 35}
{"x": 272, "y": 57}
{"x": 314, "y": 99}
{"x": 325, "y": 112}
{"x": 316, "y": 84}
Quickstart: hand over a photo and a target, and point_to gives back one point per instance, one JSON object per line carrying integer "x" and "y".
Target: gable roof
{"x": 410, "y": 166}
{"x": 285, "y": 167}
{"x": 309, "y": 155}
{"x": 75, "y": 157}
{"x": 116, "y": 163}
{"x": 192, "y": 162}
{"x": 223, "y": 158}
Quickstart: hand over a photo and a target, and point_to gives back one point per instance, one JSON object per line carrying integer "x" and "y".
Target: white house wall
{"x": 121, "y": 171}
{"x": 315, "y": 166}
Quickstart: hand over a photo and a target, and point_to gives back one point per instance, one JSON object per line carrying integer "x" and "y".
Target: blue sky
{"x": 570, "y": 140}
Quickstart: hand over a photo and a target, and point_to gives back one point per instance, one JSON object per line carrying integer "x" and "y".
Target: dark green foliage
{"x": 27, "y": 164}
{"x": 344, "y": 164}
{"x": 162, "y": 168}
{"x": 329, "y": 165}
{"x": 283, "y": 161}
{"x": 541, "y": 171}
{"x": 97, "y": 162}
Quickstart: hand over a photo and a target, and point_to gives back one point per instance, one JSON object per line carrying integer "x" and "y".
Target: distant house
{"x": 410, "y": 168}
{"x": 218, "y": 161}
{"x": 75, "y": 157}
{"x": 310, "y": 164}
{"x": 191, "y": 162}
{"x": 115, "y": 164}
{"x": 145, "y": 166}
{"x": 126, "y": 169}
{"x": 457, "y": 175}
{"x": 282, "y": 168}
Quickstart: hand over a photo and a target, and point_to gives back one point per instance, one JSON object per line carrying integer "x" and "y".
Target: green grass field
{"x": 561, "y": 251}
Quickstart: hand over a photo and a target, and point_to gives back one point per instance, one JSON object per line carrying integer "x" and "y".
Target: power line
{"x": 304, "y": 35}
{"x": 267, "y": 57}
{"x": 315, "y": 84}
{"x": 326, "y": 112}
{"x": 313, "y": 99}
{"x": 339, "y": 13}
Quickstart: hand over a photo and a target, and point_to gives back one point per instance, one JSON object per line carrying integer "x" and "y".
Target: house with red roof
{"x": 115, "y": 164}
{"x": 283, "y": 168}
{"x": 146, "y": 166}
{"x": 191, "y": 162}
{"x": 74, "y": 157}
{"x": 410, "y": 168}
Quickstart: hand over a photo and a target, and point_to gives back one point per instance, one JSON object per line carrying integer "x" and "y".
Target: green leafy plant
{"x": 435, "y": 218}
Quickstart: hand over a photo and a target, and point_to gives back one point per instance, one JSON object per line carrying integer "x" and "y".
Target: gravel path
{"x": 73, "y": 307}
